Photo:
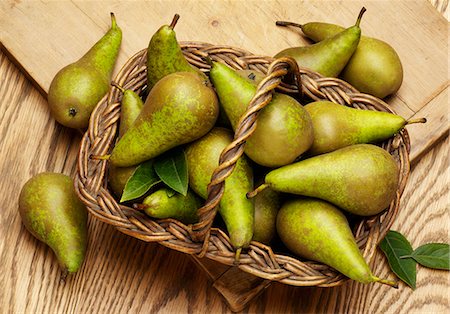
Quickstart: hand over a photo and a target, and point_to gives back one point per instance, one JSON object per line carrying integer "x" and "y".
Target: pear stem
{"x": 208, "y": 60}
{"x": 100, "y": 157}
{"x": 116, "y": 85}
{"x": 391, "y": 283}
{"x": 140, "y": 206}
{"x": 113, "y": 20}
{"x": 175, "y": 19}
{"x": 257, "y": 190}
{"x": 360, "y": 16}
{"x": 287, "y": 23}
{"x": 416, "y": 120}
{"x": 237, "y": 256}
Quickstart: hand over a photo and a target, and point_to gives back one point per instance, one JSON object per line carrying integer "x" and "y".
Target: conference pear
{"x": 361, "y": 179}
{"x": 236, "y": 210}
{"x": 77, "y": 88}
{"x": 165, "y": 203}
{"x": 52, "y": 212}
{"x": 179, "y": 109}
{"x": 267, "y": 204}
{"x": 130, "y": 108}
{"x": 284, "y": 130}
{"x": 164, "y": 55}
{"x": 316, "y": 230}
{"x": 329, "y": 56}
{"x": 252, "y": 76}
{"x": 375, "y": 67}
{"x": 337, "y": 126}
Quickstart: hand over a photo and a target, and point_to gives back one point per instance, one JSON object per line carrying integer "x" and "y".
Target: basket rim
{"x": 91, "y": 183}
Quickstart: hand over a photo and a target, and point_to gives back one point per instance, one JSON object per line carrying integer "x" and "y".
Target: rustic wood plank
{"x": 67, "y": 29}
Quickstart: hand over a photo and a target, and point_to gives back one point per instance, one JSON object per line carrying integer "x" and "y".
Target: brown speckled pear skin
{"x": 316, "y": 230}
{"x": 179, "y": 109}
{"x": 361, "y": 179}
{"x": 164, "y": 56}
{"x": 130, "y": 108}
{"x": 284, "y": 130}
{"x": 337, "y": 126}
{"x": 236, "y": 210}
{"x": 77, "y": 88}
{"x": 52, "y": 212}
{"x": 162, "y": 204}
{"x": 267, "y": 204}
{"x": 375, "y": 67}
{"x": 329, "y": 56}
{"x": 251, "y": 76}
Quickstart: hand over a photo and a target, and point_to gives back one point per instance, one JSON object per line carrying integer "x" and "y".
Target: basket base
{"x": 238, "y": 288}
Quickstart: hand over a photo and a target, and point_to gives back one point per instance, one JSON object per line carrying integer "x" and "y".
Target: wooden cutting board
{"x": 42, "y": 37}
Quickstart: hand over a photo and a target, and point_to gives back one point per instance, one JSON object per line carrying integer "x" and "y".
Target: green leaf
{"x": 143, "y": 178}
{"x": 170, "y": 193}
{"x": 171, "y": 168}
{"x": 394, "y": 246}
{"x": 433, "y": 255}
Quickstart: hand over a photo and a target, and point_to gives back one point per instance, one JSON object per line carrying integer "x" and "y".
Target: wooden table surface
{"x": 125, "y": 275}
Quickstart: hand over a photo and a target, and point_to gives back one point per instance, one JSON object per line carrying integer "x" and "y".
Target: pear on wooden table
{"x": 53, "y": 213}
{"x": 337, "y": 126}
{"x": 78, "y": 87}
{"x": 284, "y": 130}
{"x": 374, "y": 68}
{"x": 236, "y": 210}
{"x": 165, "y": 203}
{"x": 130, "y": 108}
{"x": 318, "y": 231}
{"x": 164, "y": 55}
{"x": 329, "y": 56}
{"x": 179, "y": 109}
{"x": 361, "y": 179}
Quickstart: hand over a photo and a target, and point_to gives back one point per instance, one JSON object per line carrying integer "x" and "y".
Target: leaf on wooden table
{"x": 143, "y": 178}
{"x": 171, "y": 168}
{"x": 432, "y": 255}
{"x": 394, "y": 246}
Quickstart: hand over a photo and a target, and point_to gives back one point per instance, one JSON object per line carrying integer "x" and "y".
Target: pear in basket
{"x": 361, "y": 179}
{"x": 236, "y": 210}
{"x": 316, "y": 230}
{"x": 179, "y": 109}
{"x": 337, "y": 126}
{"x": 375, "y": 67}
{"x": 329, "y": 56}
{"x": 164, "y": 55}
{"x": 284, "y": 130}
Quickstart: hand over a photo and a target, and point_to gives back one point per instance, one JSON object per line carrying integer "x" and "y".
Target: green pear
{"x": 77, "y": 88}
{"x": 179, "y": 109}
{"x": 337, "y": 126}
{"x": 236, "y": 210}
{"x": 267, "y": 204}
{"x": 130, "y": 108}
{"x": 284, "y": 129}
{"x": 316, "y": 230}
{"x": 164, "y": 55}
{"x": 375, "y": 67}
{"x": 165, "y": 203}
{"x": 361, "y": 179}
{"x": 329, "y": 56}
{"x": 52, "y": 212}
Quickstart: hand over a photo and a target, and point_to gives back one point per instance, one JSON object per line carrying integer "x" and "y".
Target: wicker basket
{"x": 201, "y": 239}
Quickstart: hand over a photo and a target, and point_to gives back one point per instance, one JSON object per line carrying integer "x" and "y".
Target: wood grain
{"x": 56, "y": 33}
{"x": 125, "y": 275}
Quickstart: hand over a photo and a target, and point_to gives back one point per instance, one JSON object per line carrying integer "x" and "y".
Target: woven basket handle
{"x": 229, "y": 156}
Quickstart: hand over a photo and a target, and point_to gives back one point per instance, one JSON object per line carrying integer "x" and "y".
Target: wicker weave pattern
{"x": 259, "y": 259}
